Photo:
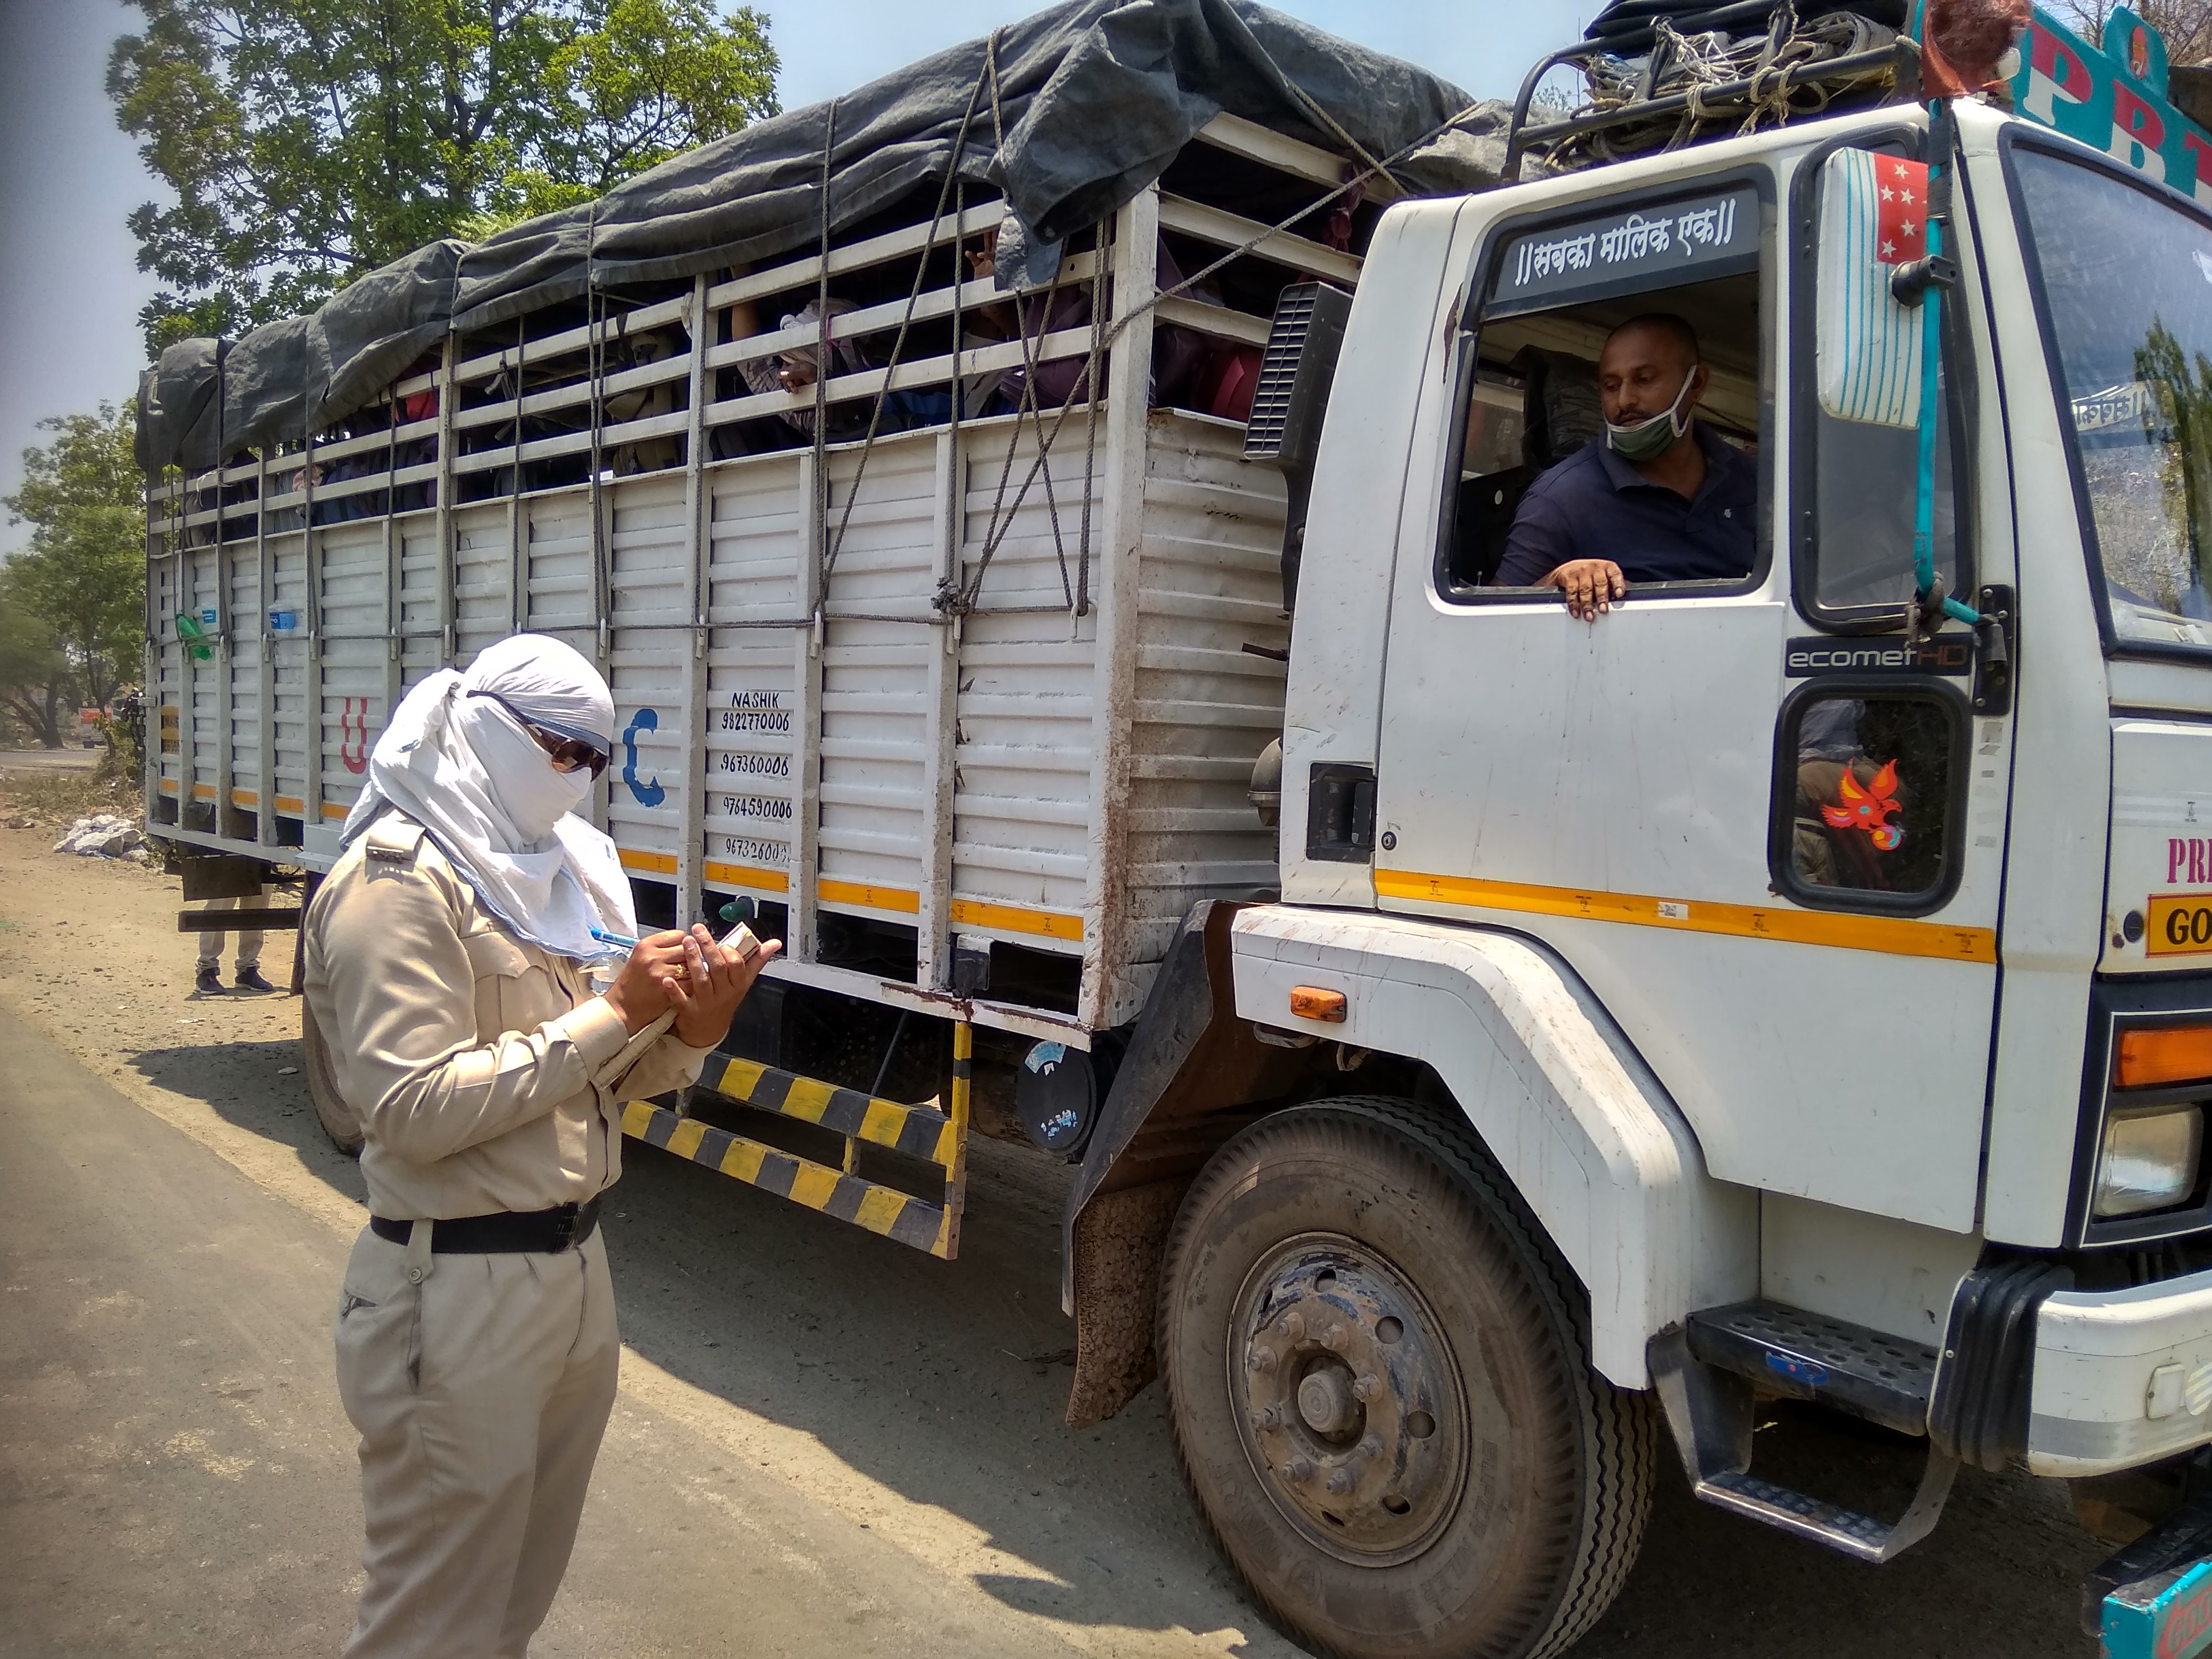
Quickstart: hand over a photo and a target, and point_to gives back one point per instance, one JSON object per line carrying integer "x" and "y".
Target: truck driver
{"x": 1659, "y": 497}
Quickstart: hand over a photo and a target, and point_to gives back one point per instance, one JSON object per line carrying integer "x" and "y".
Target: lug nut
{"x": 1294, "y": 1324}
{"x": 1262, "y": 1360}
{"x": 1264, "y": 1417}
{"x": 1368, "y": 1387}
{"x": 1300, "y": 1469}
{"x": 1340, "y": 1481}
{"x": 1331, "y": 1336}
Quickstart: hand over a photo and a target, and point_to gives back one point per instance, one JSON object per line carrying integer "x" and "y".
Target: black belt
{"x": 536, "y": 1232}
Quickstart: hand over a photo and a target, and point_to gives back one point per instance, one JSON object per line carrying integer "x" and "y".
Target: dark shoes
{"x": 208, "y": 981}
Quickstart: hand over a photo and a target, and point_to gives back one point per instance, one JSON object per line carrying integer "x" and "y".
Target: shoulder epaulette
{"x": 393, "y": 839}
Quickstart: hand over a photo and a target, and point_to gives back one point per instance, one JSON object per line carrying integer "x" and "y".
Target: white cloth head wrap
{"x": 464, "y": 768}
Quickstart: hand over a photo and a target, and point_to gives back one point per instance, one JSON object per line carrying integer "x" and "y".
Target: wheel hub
{"x": 1349, "y": 1397}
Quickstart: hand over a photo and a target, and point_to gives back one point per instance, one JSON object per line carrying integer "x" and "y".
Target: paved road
{"x": 827, "y": 1447}
{"x": 176, "y": 1477}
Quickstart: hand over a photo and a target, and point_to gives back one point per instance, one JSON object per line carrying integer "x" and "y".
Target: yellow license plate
{"x": 2180, "y": 926}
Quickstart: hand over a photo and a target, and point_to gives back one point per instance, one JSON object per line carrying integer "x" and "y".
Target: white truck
{"x": 1485, "y": 1035}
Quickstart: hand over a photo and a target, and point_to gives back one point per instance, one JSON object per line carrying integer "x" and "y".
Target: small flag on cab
{"x": 1901, "y": 216}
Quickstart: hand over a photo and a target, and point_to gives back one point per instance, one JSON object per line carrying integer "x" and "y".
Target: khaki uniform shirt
{"x": 486, "y": 1073}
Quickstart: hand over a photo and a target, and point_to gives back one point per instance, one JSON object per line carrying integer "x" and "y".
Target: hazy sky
{"x": 71, "y": 289}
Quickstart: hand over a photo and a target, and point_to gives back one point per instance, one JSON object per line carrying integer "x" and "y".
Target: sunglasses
{"x": 567, "y": 754}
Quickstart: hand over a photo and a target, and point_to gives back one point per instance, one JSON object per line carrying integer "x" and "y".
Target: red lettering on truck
{"x": 2186, "y": 1623}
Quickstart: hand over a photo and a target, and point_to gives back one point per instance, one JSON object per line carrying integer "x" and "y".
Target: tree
{"x": 2178, "y": 422}
{"x": 36, "y": 686}
{"x": 311, "y": 141}
{"x": 84, "y": 575}
{"x": 2185, "y": 25}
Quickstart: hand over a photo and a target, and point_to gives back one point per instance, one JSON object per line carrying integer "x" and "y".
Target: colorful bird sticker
{"x": 1866, "y": 807}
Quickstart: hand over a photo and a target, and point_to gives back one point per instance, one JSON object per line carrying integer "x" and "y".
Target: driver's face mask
{"x": 1648, "y": 440}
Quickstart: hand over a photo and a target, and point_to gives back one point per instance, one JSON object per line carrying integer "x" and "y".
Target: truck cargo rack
{"x": 825, "y": 655}
{"x": 1732, "y": 103}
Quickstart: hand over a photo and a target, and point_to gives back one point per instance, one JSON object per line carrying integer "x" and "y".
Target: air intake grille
{"x": 1279, "y": 373}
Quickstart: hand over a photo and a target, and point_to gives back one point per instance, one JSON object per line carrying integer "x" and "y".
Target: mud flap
{"x": 1191, "y": 1065}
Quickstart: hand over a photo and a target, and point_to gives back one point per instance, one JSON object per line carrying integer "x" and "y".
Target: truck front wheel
{"x": 1379, "y": 1382}
{"x": 337, "y": 1118}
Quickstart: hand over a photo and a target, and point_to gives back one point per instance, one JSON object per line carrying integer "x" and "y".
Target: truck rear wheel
{"x": 1379, "y": 1387}
{"x": 337, "y": 1118}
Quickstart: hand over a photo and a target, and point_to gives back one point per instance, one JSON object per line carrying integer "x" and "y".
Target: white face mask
{"x": 533, "y": 792}
{"x": 1648, "y": 440}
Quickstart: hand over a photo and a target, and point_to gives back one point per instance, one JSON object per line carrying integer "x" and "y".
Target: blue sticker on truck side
{"x": 649, "y": 793}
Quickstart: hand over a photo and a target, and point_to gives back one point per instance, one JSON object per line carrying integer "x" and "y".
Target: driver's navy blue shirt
{"x": 1593, "y": 504}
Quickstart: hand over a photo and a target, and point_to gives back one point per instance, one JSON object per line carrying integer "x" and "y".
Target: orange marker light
{"x": 2162, "y": 1054}
{"x": 1311, "y": 1002}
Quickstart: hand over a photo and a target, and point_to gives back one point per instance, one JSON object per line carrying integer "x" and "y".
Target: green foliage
{"x": 36, "y": 690}
{"x": 310, "y": 141}
{"x": 84, "y": 574}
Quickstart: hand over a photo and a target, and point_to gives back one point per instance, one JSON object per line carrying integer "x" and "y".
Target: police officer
{"x": 447, "y": 958}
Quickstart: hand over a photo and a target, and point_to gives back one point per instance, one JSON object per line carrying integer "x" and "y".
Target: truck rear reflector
{"x": 2157, "y": 1056}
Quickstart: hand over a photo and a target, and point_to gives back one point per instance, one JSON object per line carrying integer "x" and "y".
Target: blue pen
{"x": 605, "y": 938}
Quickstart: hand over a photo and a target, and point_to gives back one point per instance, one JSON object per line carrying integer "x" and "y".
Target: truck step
{"x": 1709, "y": 1409}
{"x": 1844, "y": 1531}
{"x": 1808, "y": 1356}
{"x": 919, "y": 1132}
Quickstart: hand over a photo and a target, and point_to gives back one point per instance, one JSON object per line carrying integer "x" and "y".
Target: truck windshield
{"x": 2127, "y": 291}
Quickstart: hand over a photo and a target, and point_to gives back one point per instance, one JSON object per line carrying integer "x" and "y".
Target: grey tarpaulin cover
{"x": 1094, "y": 98}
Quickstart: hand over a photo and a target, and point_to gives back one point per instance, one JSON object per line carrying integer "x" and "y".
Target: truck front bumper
{"x": 2122, "y": 1378}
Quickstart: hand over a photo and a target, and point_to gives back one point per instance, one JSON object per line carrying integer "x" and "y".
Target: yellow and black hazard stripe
{"x": 917, "y": 1131}
{"x": 883, "y": 1209}
{"x": 920, "y": 1130}
{"x": 955, "y": 1174}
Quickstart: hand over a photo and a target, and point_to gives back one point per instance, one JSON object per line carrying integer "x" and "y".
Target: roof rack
{"x": 1730, "y": 100}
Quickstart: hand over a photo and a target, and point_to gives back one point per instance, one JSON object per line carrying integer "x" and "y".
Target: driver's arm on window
{"x": 1540, "y": 552}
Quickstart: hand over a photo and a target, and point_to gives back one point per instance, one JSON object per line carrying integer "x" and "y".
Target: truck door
{"x": 1741, "y": 815}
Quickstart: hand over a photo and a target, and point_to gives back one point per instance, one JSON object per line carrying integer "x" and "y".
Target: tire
{"x": 338, "y": 1120}
{"x": 1378, "y": 1377}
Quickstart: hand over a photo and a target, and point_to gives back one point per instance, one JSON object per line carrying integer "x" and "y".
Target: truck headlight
{"x": 2148, "y": 1161}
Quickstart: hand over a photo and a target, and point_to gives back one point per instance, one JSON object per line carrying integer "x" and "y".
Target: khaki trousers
{"x": 481, "y": 1393}
{"x": 249, "y": 944}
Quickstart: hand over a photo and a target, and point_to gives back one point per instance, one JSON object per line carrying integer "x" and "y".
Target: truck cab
{"x": 1821, "y": 970}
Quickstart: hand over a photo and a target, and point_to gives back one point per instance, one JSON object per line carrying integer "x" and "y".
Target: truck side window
{"x": 1532, "y": 411}
{"x": 1864, "y": 465}
{"x": 1864, "y": 801}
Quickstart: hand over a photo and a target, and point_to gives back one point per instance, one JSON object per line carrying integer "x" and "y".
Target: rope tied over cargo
{"x": 957, "y": 594}
{"x": 1077, "y": 598}
{"x": 826, "y": 329}
{"x": 595, "y": 315}
{"x": 1719, "y": 77}
{"x": 958, "y": 598}
{"x": 832, "y": 546}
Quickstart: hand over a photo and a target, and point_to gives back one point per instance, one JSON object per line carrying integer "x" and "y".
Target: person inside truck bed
{"x": 1659, "y": 497}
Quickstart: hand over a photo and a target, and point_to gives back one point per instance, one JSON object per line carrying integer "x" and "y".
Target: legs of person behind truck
{"x": 208, "y": 981}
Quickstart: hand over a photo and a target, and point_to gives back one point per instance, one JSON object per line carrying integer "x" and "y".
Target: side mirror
{"x": 1867, "y": 344}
